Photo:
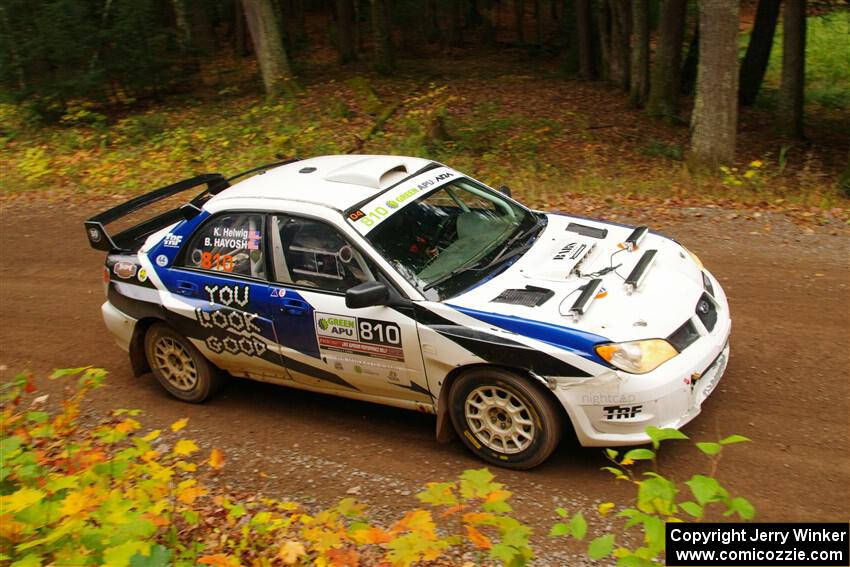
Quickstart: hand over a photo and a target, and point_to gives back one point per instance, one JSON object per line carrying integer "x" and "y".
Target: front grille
{"x": 684, "y": 336}
{"x": 707, "y": 312}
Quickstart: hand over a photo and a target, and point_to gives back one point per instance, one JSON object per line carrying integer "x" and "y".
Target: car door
{"x": 373, "y": 350}
{"x": 221, "y": 295}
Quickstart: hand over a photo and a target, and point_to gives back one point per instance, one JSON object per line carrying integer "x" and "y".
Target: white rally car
{"x": 401, "y": 281}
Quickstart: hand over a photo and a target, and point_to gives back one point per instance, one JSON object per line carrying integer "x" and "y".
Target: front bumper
{"x": 615, "y": 408}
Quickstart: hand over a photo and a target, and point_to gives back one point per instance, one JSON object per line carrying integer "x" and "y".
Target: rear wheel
{"x": 178, "y": 366}
{"x": 504, "y": 418}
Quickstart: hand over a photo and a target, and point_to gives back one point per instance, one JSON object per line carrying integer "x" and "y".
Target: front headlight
{"x": 637, "y": 357}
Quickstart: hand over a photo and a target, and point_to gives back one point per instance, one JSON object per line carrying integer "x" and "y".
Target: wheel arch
{"x": 445, "y": 429}
{"x": 138, "y": 360}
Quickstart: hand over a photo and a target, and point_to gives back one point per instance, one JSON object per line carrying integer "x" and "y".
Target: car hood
{"x": 556, "y": 267}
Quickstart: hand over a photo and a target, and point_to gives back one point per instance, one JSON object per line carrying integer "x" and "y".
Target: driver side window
{"x": 312, "y": 253}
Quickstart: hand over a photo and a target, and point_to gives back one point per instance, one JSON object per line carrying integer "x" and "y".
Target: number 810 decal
{"x": 379, "y": 332}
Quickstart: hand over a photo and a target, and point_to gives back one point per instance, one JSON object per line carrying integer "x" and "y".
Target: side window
{"x": 231, "y": 243}
{"x": 314, "y": 254}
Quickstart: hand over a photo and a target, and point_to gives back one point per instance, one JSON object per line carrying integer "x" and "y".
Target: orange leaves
{"x": 216, "y": 460}
{"x": 128, "y": 425}
{"x": 133, "y": 498}
{"x": 218, "y": 560}
{"x": 77, "y": 502}
{"x": 188, "y": 491}
{"x": 372, "y": 536}
{"x": 478, "y": 539}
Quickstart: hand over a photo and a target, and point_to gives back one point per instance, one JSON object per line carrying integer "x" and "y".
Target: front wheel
{"x": 505, "y": 419}
{"x": 178, "y": 366}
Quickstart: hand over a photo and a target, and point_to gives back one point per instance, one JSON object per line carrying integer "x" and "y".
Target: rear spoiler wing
{"x": 100, "y": 239}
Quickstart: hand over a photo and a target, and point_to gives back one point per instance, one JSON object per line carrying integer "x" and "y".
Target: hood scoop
{"x": 531, "y": 296}
{"x": 562, "y": 260}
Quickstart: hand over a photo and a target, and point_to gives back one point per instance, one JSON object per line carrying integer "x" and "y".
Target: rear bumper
{"x": 119, "y": 324}
{"x": 615, "y": 408}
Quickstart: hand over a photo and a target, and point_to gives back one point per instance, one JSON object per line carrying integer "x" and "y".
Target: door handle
{"x": 294, "y": 307}
{"x": 187, "y": 288}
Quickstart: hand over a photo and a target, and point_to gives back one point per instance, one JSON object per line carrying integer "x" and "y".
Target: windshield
{"x": 449, "y": 239}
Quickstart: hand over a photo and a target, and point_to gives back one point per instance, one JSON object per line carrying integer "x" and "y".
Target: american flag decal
{"x": 253, "y": 239}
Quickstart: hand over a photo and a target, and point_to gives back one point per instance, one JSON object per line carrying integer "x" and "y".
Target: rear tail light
{"x": 105, "y": 280}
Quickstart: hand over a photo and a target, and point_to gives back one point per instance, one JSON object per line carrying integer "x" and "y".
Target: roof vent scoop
{"x": 393, "y": 176}
{"x": 377, "y": 172}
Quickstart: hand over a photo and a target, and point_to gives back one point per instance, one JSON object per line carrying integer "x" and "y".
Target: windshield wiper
{"x": 500, "y": 257}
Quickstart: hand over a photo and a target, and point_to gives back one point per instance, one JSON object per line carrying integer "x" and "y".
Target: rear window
{"x": 231, "y": 243}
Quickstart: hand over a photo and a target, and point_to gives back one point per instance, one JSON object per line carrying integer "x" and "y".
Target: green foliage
{"x": 52, "y": 51}
{"x": 35, "y": 163}
{"x": 660, "y": 148}
{"x": 827, "y": 54}
{"x": 364, "y": 95}
{"x": 751, "y": 177}
{"x": 111, "y": 494}
{"x": 658, "y": 500}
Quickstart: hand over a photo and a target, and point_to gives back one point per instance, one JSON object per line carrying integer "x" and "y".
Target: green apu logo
{"x": 323, "y": 324}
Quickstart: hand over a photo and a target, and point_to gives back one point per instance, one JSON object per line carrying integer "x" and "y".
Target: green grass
{"x": 827, "y": 61}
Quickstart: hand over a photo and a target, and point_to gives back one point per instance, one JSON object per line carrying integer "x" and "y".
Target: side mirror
{"x": 367, "y": 294}
{"x": 505, "y": 190}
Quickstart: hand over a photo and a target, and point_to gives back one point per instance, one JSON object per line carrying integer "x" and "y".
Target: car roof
{"x": 338, "y": 182}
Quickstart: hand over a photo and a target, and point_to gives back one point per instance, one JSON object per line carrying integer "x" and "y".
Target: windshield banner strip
{"x": 387, "y": 204}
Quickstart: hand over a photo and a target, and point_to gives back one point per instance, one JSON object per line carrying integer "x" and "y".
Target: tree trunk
{"x": 240, "y": 45}
{"x": 432, "y": 21}
{"x": 519, "y": 21}
{"x": 688, "y": 78}
{"x": 792, "y": 87}
{"x": 621, "y": 20}
{"x": 454, "y": 34}
{"x": 715, "y": 117}
{"x": 299, "y": 21}
{"x": 569, "y": 30}
{"x": 271, "y": 56}
{"x": 664, "y": 81}
{"x": 488, "y": 22}
{"x": 203, "y": 36}
{"x": 346, "y": 46}
{"x": 603, "y": 24}
{"x": 184, "y": 30}
{"x": 584, "y": 29}
{"x": 758, "y": 51}
{"x": 538, "y": 22}
{"x": 639, "y": 84}
{"x": 384, "y": 51}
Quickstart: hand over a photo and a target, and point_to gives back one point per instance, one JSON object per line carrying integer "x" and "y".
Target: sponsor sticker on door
{"x": 352, "y": 335}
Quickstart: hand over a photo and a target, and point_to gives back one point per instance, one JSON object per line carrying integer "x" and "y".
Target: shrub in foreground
{"x": 109, "y": 493}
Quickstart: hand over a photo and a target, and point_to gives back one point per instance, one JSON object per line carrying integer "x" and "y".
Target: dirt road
{"x": 787, "y": 386}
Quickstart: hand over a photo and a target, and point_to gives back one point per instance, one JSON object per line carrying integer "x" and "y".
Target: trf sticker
{"x": 621, "y": 412}
{"x": 172, "y": 240}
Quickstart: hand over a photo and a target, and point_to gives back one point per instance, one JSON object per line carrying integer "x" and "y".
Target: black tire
{"x": 534, "y": 420}
{"x": 178, "y": 366}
